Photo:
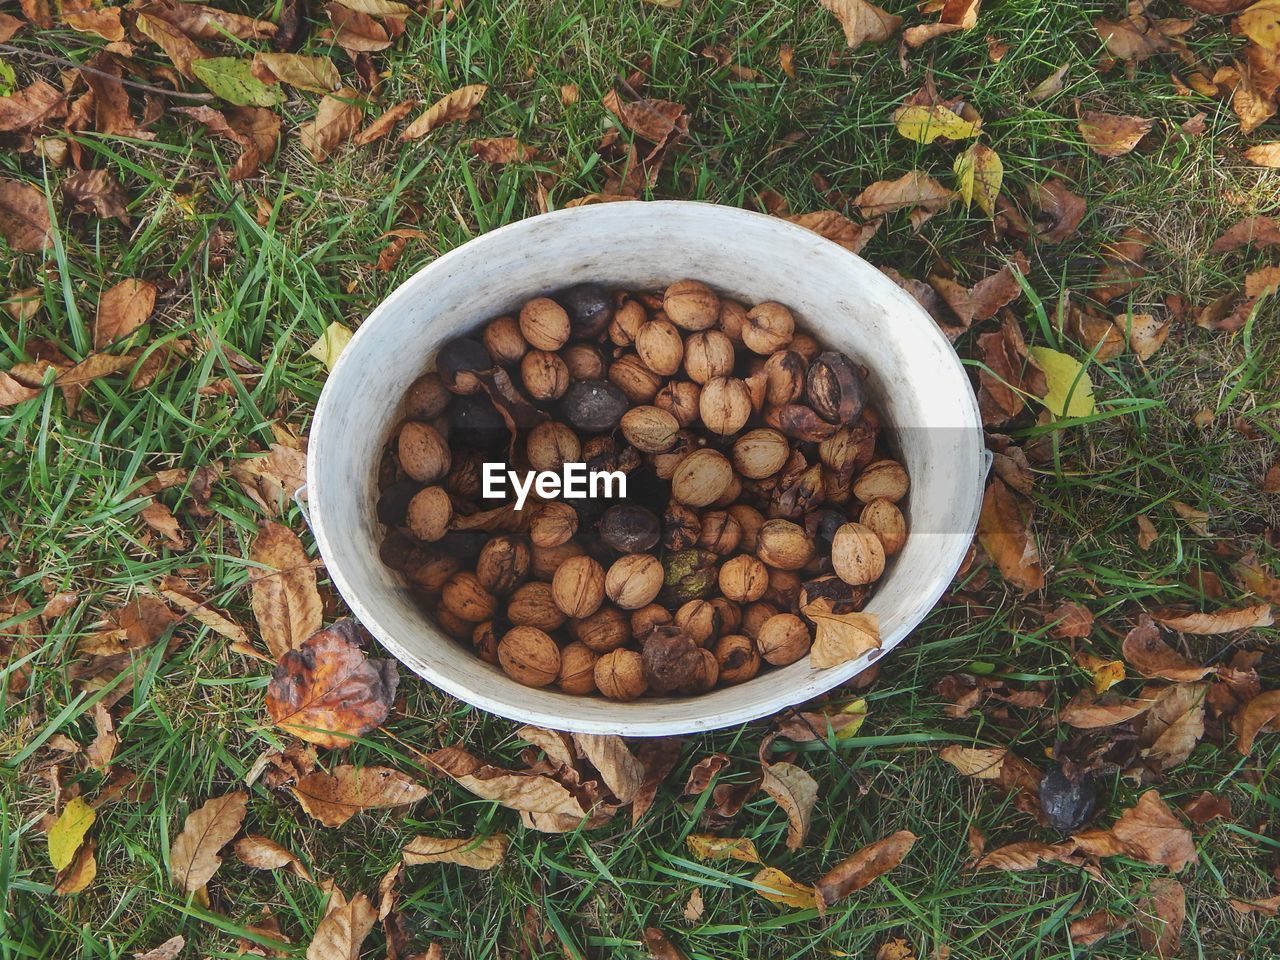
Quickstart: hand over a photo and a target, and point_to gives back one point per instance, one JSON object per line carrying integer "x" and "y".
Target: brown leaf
{"x": 1088, "y": 930}
{"x": 327, "y": 692}
{"x": 285, "y": 600}
{"x": 704, "y": 846}
{"x": 837, "y": 228}
{"x": 983, "y": 299}
{"x": 1086, "y": 713}
{"x": 193, "y": 857}
{"x": 335, "y": 797}
{"x": 456, "y": 106}
{"x": 955, "y": 15}
{"x": 256, "y": 130}
{"x": 863, "y": 867}
{"x": 1151, "y": 833}
{"x": 1152, "y": 657}
{"x": 658, "y": 757}
{"x": 653, "y": 120}
{"x": 1004, "y": 532}
{"x": 161, "y": 519}
{"x": 337, "y": 118}
{"x": 9, "y": 25}
{"x": 1139, "y": 37}
{"x": 1205, "y": 807}
{"x": 356, "y": 31}
{"x": 703, "y": 772}
{"x": 102, "y": 750}
{"x": 1059, "y": 211}
{"x": 176, "y": 591}
{"x": 660, "y": 948}
{"x": 383, "y": 125}
{"x": 1220, "y": 621}
{"x": 501, "y": 150}
{"x": 911, "y": 189}
{"x": 1161, "y": 917}
{"x": 1258, "y": 714}
{"x": 1008, "y": 374}
{"x": 862, "y": 22}
{"x": 343, "y": 930}
{"x": 122, "y": 309}
{"x": 523, "y": 791}
{"x": 272, "y": 480}
{"x": 839, "y": 637}
{"x": 776, "y": 887}
{"x": 317, "y": 74}
{"x": 1071, "y": 621}
{"x": 1146, "y": 333}
{"x": 1262, "y": 231}
{"x": 169, "y": 950}
{"x": 202, "y": 22}
{"x": 181, "y": 50}
{"x": 14, "y": 391}
{"x": 1110, "y": 134}
{"x": 618, "y": 766}
{"x": 977, "y": 762}
{"x": 1262, "y": 281}
{"x": 24, "y": 217}
{"x": 263, "y": 853}
{"x": 1174, "y": 725}
{"x": 796, "y": 792}
{"x": 23, "y": 110}
{"x": 81, "y": 872}
{"x": 1025, "y": 855}
{"x": 1050, "y": 85}
{"x": 103, "y": 21}
{"x": 475, "y": 852}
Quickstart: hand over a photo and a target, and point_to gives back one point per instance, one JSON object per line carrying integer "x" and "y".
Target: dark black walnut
{"x": 590, "y": 309}
{"x": 629, "y": 529}
{"x": 1067, "y": 804}
{"x": 671, "y": 659}
{"x": 458, "y": 359}
{"x": 477, "y": 423}
{"x": 594, "y": 406}
{"x": 835, "y": 388}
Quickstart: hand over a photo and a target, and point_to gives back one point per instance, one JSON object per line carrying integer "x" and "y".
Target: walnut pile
{"x": 757, "y": 484}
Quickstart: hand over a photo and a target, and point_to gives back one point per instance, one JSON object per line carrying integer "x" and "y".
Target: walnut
{"x": 550, "y": 445}
{"x": 750, "y": 520}
{"x": 426, "y": 397}
{"x": 671, "y": 659}
{"x": 533, "y": 605}
{"x": 553, "y": 524}
{"x": 650, "y": 429}
{"x": 883, "y": 479}
{"x": 504, "y": 341}
{"x": 783, "y": 544}
{"x": 626, "y": 323}
{"x": 647, "y": 617}
{"x": 485, "y": 640}
{"x": 784, "y": 374}
{"x": 783, "y": 639}
{"x": 629, "y": 374}
{"x": 578, "y": 587}
{"x": 659, "y": 347}
{"x": 768, "y": 328}
{"x": 756, "y": 615}
{"x": 464, "y": 597}
{"x": 545, "y": 561}
{"x": 691, "y": 305}
{"x": 544, "y": 375}
{"x": 503, "y": 563}
{"x": 743, "y": 579}
{"x": 720, "y": 532}
{"x": 544, "y": 323}
{"x": 886, "y": 520}
{"x": 701, "y": 478}
{"x": 430, "y": 512}
{"x": 724, "y": 405}
{"x": 529, "y": 656}
{"x": 705, "y": 675}
{"x": 708, "y": 354}
{"x": 857, "y": 555}
{"x": 619, "y": 675}
{"x": 577, "y": 669}
{"x": 733, "y": 317}
{"x": 606, "y": 629}
{"x": 738, "y": 659}
{"x": 680, "y": 398}
{"x": 424, "y": 455}
{"x": 700, "y": 621}
{"x": 681, "y": 526}
{"x": 634, "y": 580}
{"x": 584, "y": 361}
{"x": 761, "y": 453}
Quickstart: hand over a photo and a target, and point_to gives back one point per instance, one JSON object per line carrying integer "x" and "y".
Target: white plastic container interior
{"x": 916, "y": 382}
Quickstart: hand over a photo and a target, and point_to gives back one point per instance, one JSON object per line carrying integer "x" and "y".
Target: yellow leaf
{"x": 926, "y": 124}
{"x": 1106, "y": 673}
{"x": 1261, "y": 24}
{"x": 330, "y": 344}
{"x": 776, "y": 887}
{"x": 67, "y": 833}
{"x": 704, "y": 846}
{"x": 979, "y": 173}
{"x": 1070, "y": 389}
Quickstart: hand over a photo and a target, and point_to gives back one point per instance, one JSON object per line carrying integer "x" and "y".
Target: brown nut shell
{"x": 743, "y": 578}
{"x": 783, "y": 639}
{"x": 529, "y": 656}
{"x": 881, "y": 480}
{"x": 783, "y": 544}
{"x": 691, "y": 305}
{"x": 619, "y": 675}
{"x": 578, "y": 587}
{"x": 424, "y": 455}
{"x": 634, "y": 580}
{"x": 533, "y": 605}
{"x": 760, "y": 453}
{"x": 884, "y": 517}
{"x": 769, "y": 328}
{"x": 650, "y": 429}
{"x": 857, "y": 555}
{"x": 577, "y": 670}
{"x": 430, "y": 512}
{"x": 701, "y": 478}
{"x": 738, "y": 659}
{"x": 544, "y": 323}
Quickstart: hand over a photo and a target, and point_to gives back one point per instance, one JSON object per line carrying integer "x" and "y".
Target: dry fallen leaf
{"x": 327, "y": 692}
{"x": 1087, "y": 713}
{"x": 1161, "y": 917}
{"x": 1089, "y": 929}
{"x": 704, "y": 846}
{"x": 24, "y": 217}
{"x": 161, "y": 519}
{"x": 169, "y": 950}
{"x": 284, "y": 597}
{"x": 1258, "y": 714}
{"x": 335, "y": 797}
{"x": 1262, "y": 231}
{"x": 979, "y": 174}
{"x": 621, "y": 772}
{"x": 80, "y": 873}
{"x": 22, "y": 110}
{"x": 776, "y": 887}
{"x": 478, "y": 853}
{"x": 337, "y": 119}
{"x": 1050, "y": 85}
{"x": 1008, "y": 376}
{"x": 837, "y": 228}
{"x": 796, "y": 792}
{"x": 1174, "y": 725}
{"x": 1110, "y": 134}
{"x": 978, "y": 762}
{"x": 914, "y": 189}
{"x": 1220, "y": 621}
{"x": 355, "y": 31}
{"x": 954, "y": 15}
{"x": 924, "y": 124}
{"x": 862, "y": 21}
{"x": 122, "y": 309}
{"x": 455, "y": 106}
{"x": 176, "y": 591}
{"x": 1024, "y": 855}
{"x": 863, "y": 867}
{"x": 1149, "y": 832}
{"x": 500, "y": 150}
{"x": 1147, "y": 653}
{"x": 840, "y": 637}
{"x": 1004, "y": 532}
{"x": 380, "y": 127}
{"x": 317, "y": 74}
{"x": 193, "y": 856}
{"x": 263, "y": 853}
{"x": 343, "y": 930}
{"x": 1264, "y": 154}
{"x": 661, "y": 948}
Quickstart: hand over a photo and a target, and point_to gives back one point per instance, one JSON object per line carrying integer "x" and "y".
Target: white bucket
{"x": 916, "y": 382}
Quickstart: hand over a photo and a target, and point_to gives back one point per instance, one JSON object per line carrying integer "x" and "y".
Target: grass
{"x": 262, "y": 268}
